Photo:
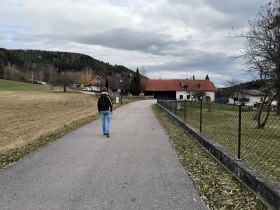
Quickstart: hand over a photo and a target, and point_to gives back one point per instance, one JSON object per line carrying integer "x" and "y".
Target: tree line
{"x": 29, "y": 65}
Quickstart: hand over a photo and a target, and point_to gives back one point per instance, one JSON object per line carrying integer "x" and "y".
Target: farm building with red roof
{"x": 180, "y": 89}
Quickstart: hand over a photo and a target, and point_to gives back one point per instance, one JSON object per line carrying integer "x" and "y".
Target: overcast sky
{"x": 167, "y": 39}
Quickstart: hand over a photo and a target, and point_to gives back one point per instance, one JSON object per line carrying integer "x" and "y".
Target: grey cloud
{"x": 236, "y": 13}
{"x": 204, "y": 61}
{"x": 238, "y": 7}
{"x": 127, "y": 39}
{"x": 123, "y": 39}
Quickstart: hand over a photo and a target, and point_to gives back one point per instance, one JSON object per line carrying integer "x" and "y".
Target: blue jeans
{"x": 106, "y": 121}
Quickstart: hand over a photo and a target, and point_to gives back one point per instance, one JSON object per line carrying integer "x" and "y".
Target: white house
{"x": 248, "y": 97}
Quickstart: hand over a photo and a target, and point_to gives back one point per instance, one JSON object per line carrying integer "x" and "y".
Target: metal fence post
{"x": 239, "y": 133}
{"x": 200, "y": 124}
{"x": 170, "y": 105}
{"x": 176, "y": 107}
{"x": 185, "y": 110}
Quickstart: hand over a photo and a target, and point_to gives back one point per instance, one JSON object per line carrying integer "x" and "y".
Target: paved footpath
{"x": 136, "y": 168}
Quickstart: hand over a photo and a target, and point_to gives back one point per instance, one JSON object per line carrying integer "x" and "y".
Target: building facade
{"x": 181, "y": 89}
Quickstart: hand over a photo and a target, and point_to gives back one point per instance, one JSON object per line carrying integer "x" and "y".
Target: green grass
{"x": 9, "y": 85}
{"x": 259, "y": 147}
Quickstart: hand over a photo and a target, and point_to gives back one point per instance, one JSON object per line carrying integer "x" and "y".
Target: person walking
{"x": 105, "y": 108}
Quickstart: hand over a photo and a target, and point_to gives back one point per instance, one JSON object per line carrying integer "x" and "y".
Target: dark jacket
{"x": 104, "y": 102}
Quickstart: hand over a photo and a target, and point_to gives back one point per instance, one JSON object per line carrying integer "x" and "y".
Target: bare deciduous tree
{"x": 12, "y": 73}
{"x": 65, "y": 79}
{"x": 86, "y": 75}
{"x": 263, "y": 54}
{"x": 232, "y": 82}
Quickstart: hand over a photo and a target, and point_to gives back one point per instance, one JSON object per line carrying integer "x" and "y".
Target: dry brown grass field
{"x": 27, "y": 116}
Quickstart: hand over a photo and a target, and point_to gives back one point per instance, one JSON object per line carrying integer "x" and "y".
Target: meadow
{"x": 35, "y": 115}
{"x": 259, "y": 147}
{"x": 26, "y": 116}
{"x": 9, "y": 85}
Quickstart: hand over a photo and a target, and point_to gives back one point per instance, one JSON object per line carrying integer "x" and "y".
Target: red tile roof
{"x": 163, "y": 85}
{"x": 178, "y": 84}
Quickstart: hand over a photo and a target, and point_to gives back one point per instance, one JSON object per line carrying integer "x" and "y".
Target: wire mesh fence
{"x": 236, "y": 129}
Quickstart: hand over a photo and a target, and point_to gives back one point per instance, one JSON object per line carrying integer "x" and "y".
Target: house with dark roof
{"x": 117, "y": 84}
{"x": 247, "y": 97}
{"x": 180, "y": 89}
{"x": 227, "y": 94}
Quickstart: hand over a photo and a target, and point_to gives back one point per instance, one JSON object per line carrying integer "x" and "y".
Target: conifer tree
{"x": 135, "y": 86}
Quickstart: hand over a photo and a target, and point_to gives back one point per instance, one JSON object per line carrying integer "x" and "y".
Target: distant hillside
{"x": 19, "y": 63}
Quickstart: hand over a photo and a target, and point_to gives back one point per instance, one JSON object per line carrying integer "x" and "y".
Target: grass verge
{"x": 218, "y": 188}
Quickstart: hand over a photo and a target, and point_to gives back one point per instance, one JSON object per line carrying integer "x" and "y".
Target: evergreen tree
{"x": 135, "y": 86}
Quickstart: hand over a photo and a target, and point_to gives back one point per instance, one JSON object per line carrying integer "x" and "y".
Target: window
{"x": 181, "y": 97}
{"x": 197, "y": 86}
{"x": 188, "y": 97}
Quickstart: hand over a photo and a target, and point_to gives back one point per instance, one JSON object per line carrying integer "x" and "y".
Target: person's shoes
{"x": 108, "y": 135}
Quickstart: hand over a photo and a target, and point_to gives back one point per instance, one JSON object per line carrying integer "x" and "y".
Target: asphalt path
{"x": 136, "y": 168}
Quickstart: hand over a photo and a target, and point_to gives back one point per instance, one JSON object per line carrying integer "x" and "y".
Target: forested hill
{"x": 53, "y": 61}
